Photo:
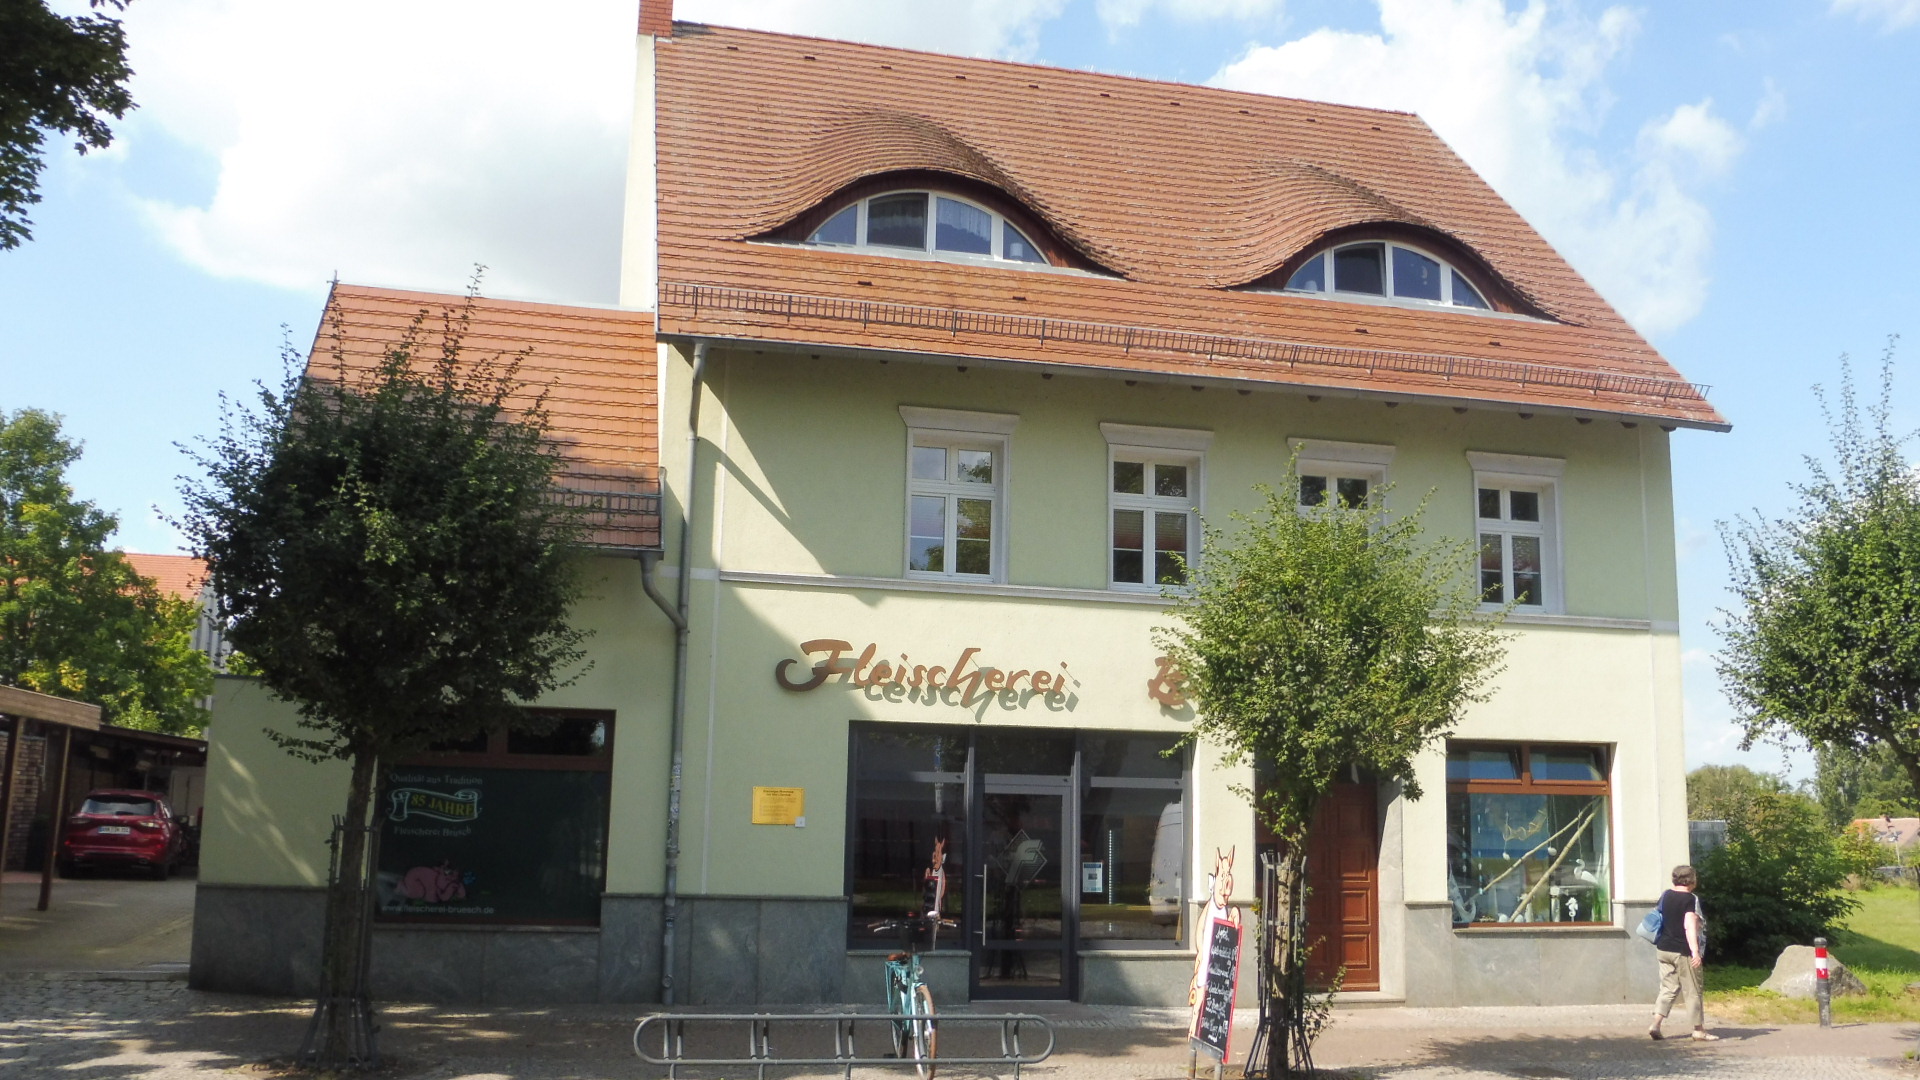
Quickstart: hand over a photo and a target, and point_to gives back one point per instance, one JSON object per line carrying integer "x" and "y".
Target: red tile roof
{"x": 177, "y": 575}
{"x": 598, "y": 368}
{"x": 1183, "y": 192}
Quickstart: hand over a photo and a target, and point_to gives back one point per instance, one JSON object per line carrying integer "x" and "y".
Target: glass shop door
{"x": 1021, "y": 921}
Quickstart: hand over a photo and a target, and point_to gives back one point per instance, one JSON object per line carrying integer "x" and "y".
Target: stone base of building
{"x": 1525, "y": 965}
{"x": 752, "y": 951}
{"x": 763, "y": 951}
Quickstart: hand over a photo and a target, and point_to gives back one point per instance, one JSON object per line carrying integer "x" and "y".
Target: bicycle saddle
{"x": 897, "y": 956}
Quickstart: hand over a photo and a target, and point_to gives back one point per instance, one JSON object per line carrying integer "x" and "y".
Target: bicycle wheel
{"x": 900, "y": 1008}
{"x": 926, "y": 1035}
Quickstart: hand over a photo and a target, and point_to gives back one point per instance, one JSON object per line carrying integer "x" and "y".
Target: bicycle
{"x": 915, "y": 1032}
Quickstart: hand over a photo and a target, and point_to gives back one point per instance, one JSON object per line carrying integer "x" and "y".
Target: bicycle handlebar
{"x": 918, "y": 920}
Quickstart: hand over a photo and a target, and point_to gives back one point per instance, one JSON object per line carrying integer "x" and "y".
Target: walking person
{"x": 1682, "y": 947}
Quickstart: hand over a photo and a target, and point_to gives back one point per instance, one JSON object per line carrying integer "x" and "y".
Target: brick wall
{"x": 26, "y": 794}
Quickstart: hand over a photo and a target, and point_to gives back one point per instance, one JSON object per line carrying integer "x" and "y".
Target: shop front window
{"x": 1527, "y": 834}
{"x": 504, "y": 828}
{"x": 1132, "y": 842}
{"x": 1083, "y": 835}
{"x": 909, "y": 795}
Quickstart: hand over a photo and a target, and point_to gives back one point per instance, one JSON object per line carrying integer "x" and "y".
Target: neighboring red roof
{"x": 598, "y": 368}
{"x": 1184, "y": 192}
{"x": 178, "y": 575}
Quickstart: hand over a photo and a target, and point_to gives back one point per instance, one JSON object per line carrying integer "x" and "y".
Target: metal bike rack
{"x": 668, "y": 1031}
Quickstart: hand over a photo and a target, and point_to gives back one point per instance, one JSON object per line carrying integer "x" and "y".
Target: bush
{"x": 1775, "y": 883}
{"x": 1861, "y": 855}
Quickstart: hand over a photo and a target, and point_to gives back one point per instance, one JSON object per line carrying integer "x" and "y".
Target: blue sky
{"x": 1738, "y": 178}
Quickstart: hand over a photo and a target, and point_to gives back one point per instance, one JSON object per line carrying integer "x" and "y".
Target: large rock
{"x": 1793, "y": 975}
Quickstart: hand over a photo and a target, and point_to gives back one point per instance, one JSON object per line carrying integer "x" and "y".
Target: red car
{"x": 122, "y": 828}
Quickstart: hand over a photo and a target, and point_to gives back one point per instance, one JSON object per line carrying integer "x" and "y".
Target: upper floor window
{"x": 1386, "y": 269}
{"x": 956, "y": 486}
{"x": 1153, "y": 492}
{"x": 1342, "y": 473}
{"x": 944, "y": 226}
{"x": 1515, "y": 524}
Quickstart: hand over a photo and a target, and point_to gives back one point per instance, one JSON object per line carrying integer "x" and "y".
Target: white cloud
{"x": 1002, "y": 28}
{"x": 400, "y": 142}
{"x": 1521, "y": 95}
{"x": 1771, "y": 108}
{"x": 397, "y": 143}
{"x": 1890, "y": 14}
{"x": 1123, "y": 13}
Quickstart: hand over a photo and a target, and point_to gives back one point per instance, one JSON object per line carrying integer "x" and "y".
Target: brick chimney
{"x": 656, "y": 17}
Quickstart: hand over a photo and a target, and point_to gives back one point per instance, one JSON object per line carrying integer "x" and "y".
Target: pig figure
{"x": 434, "y": 884}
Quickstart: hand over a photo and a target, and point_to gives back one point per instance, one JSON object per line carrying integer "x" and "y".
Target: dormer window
{"x": 1388, "y": 270}
{"x": 942, "y": 226}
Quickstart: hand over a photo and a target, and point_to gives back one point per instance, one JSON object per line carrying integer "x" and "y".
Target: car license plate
{"x": 113, "y": 830}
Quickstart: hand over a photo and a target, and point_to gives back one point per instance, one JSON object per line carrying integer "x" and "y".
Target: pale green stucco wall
{"x": 269, "y": 814}
{"x": 813, "y": 455}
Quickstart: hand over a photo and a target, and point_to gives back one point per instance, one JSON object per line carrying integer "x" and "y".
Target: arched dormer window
{"x": 927, "y": 223}
{"x": 1383, "y": 268}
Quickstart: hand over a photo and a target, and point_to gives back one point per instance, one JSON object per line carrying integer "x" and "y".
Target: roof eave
{"x": 1284, "y": 386}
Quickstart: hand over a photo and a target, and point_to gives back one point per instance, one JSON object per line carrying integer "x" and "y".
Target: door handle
{"x": 980, "y": 917}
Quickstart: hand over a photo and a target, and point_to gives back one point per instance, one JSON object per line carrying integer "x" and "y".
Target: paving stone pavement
{"x": 149, "y": 1025}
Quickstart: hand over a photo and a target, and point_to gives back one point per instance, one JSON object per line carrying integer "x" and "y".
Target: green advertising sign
{"x": 493, "y": 845}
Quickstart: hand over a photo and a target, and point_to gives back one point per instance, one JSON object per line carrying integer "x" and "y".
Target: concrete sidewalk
{"x": 153, "y": 1027}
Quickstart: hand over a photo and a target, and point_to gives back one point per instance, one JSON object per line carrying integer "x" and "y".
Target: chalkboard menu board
{"x": 1213, "y": 1022}
{"x": 461, "y": 844}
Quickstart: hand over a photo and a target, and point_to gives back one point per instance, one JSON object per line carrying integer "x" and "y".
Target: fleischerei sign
{"x": 963, "y": 682}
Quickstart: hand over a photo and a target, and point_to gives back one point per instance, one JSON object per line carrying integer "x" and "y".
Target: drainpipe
{"x": 677, "y": 613}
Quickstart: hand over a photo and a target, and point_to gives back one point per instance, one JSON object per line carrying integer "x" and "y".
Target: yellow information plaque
{"x": 778, "y": 805}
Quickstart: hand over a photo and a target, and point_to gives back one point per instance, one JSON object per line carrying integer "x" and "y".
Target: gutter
{"x": 676, "y": 612}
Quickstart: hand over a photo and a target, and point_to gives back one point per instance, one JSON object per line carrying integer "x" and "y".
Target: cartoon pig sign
{"x": 433, "y": 884}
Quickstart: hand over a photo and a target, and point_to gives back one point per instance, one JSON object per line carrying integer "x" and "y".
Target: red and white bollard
{"x": 1822, "y": 989}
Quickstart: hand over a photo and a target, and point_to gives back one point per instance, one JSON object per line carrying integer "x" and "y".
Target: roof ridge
{"x": 1054, "y": 69}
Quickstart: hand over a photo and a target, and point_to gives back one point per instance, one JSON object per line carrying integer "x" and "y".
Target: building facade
{"x": 936, "y": 364}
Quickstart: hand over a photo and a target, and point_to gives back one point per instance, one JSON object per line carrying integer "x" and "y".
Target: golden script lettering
{"x": 971, "y": 679}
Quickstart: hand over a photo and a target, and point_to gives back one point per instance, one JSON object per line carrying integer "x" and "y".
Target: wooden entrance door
{"x": 1343, "y": 874}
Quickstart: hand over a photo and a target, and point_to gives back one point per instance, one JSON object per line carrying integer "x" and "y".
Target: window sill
{"x": 384, "y": 925}
{"x": 1135, "y": 950}
{"x": 1497, "y": 929}
{"x": 943, "y": 585}
{"x": 1591, "y": 622}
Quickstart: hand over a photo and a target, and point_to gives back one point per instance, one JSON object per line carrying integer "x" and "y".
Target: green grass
{"x": 1881, "y": 944}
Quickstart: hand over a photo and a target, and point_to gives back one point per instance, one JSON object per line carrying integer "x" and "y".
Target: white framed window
{"x": 928, "y": 223}
{"x": 1517, "y": 533}
{"x": 1350, "y": 472}
{"x": 956, "y": 493}
{"x": 1155, "y": 477}
{"x": 1393, "y": 271}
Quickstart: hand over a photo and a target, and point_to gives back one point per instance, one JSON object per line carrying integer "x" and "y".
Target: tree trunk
{"x": 345, "y": 935}
{"x": 1291, "y": 1046}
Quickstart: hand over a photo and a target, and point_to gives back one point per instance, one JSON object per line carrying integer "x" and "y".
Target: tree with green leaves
{"x": 1721, "y": 792}
{"x": 1776, "y": 882}
{"x": 1312, "y": 643}
{"x": 58, "y": 73}
{"x": 391, "y": 554}
{"x": 1823, "y": 644}
{"x": 1850, "y": 784}
{"x": 76, "y": 620}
